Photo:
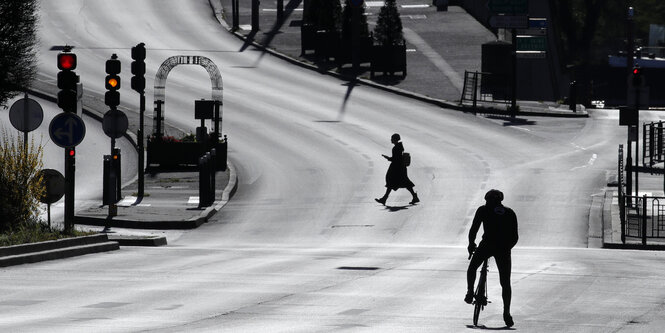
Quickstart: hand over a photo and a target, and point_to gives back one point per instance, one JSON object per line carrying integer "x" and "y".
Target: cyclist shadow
{"x": 396, "y": 208}
{"x": 483, "y": 327}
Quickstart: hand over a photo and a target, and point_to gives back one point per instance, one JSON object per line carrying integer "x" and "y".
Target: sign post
{"x": 67, "y": 130}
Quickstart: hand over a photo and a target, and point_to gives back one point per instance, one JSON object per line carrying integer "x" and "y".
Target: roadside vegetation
{"x": 21, "y": 188}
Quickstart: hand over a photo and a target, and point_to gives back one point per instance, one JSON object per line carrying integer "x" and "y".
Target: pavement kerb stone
{"x": 56, "y": 249}
{"x": 218, "y": 10}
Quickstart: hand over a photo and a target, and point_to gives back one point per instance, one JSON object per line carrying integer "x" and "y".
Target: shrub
{"x": 20, "y": 185}
{"x": 388, "y": 30}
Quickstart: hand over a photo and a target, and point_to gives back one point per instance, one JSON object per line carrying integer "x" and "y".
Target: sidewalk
{"x": 440, "y": 47}
{"x": 171, "y": 201}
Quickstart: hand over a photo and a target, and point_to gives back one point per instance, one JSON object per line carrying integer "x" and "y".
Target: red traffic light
{"x": 66, "y": 61}
{"x": 636, "y": 71}
{"x": 71, "y": 152}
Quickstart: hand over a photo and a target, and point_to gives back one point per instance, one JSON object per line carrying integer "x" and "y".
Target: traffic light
{"x": 67, "y": 80}
{"x": 138, "y": 68}
{"x": 637, "y": 77}
{"x": 112, "y": 82}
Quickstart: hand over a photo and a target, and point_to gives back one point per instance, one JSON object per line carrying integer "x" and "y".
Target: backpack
{"x": 406, "y": 157}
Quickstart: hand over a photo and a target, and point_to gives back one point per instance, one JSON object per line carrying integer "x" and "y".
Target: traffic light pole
{"x": 70, "y": 171}
{"x": 513, "y": 103}
{"x": 141, "y": 147}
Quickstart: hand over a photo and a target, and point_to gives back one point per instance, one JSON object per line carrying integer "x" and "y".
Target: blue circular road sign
{"x": 67, "y": 130}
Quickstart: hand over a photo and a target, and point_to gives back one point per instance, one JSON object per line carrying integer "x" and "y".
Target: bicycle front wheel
{"x": 476, "y": 313}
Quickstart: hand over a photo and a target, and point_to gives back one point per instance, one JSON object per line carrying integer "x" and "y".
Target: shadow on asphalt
{"x": 483, "y": 327}
{"x": 396, "y": 208}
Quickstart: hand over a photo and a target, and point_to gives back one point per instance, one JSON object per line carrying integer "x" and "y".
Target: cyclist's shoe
{"x": 468, "y": 298}
{"x": 508, "y": 319}
{"x": 381, "y": 201}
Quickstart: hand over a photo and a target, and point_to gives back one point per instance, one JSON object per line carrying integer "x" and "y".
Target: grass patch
{"x": 36, "y": 232}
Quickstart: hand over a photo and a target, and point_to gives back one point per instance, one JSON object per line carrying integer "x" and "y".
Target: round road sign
{"x": 115, "y": 123}
{"x": 26, "y": 114}
{"x": 67, "y": 130}
{"x": 54, "y": 183}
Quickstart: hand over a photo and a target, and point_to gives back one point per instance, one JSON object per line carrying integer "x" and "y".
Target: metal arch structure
{"x": 160, "y": 85}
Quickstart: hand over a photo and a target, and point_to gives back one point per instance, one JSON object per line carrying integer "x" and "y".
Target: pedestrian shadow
{"x": 486, "y": 328}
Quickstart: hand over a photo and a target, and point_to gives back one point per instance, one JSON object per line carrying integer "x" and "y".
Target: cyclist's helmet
{"x": 494, "y": 195}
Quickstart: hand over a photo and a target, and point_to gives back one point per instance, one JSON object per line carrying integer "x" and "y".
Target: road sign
{"x": 26, "y": 114}
{"x": 115, "y": 123}
{"x": 357, "y": 3}
{"x": 508, "y": 6}
{"x": 532, "y": 32}
{"x": 54, "y": 183}
{"x": 531, "y": 54}
{"x": 509, "y": 21}
{"x": 67, "y": 130}
{"x": 538, "y": 22}
{"x": 531, "y": 43}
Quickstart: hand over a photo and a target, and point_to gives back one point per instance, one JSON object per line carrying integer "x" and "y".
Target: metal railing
{"x": 485, "y": 87}
{"x": 644, "y": 219}
{"x": 653, "y": 149}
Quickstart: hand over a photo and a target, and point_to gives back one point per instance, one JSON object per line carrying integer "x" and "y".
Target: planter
{"x": 388, "y": 59}
{"x": 307, "y": 37}
{"x": 345, "y": 54}
{"x": 327, "y": 44}
{"x": 178, "y": 154}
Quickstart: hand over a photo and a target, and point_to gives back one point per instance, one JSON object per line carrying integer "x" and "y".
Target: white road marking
{"x": 588, "y": 164}
{"x": 193, "y": 201}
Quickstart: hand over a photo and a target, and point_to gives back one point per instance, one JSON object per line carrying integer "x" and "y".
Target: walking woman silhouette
{"x": 396, "y": 177}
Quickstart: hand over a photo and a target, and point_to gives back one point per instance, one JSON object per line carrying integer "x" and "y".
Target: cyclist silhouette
{"x": 499, "y": 237}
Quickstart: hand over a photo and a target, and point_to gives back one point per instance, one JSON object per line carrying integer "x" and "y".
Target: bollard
{"x": 204, "y": 181}
{"x": 213, "y": 173}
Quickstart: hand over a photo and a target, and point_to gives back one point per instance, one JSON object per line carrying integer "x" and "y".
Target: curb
{"x": 124, "y": 240}
{"x": 56, "y": 249}
{"x": 217, "y": 12}
{"x": 191, "y": 223}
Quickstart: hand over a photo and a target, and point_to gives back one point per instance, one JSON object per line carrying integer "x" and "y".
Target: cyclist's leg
{"x": 504, "y": 263}
{"x": 479, "y": 256}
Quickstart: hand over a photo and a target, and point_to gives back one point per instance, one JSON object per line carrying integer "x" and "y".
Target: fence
{"x": 486, "y": 87}
{"x": 645, "y": 219}
{"x": 653, "y": 149}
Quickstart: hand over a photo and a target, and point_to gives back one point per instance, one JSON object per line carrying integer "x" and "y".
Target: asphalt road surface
{"x": 303, "y": 247}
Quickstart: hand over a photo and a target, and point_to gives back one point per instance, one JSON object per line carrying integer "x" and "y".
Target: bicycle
{"x": 480, "y": 296}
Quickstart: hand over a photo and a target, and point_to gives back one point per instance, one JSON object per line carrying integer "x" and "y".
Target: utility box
{"x": 497, "y": 68}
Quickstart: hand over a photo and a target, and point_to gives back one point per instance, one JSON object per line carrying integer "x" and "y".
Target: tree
{"x": 18, "y": 19}
{"x": 347, "y": 21}
{"x": 388, "y": 30}
{"x": 324, "y": 14}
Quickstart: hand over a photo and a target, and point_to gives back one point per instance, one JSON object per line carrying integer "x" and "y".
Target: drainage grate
{"x": 358, "y": 268}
